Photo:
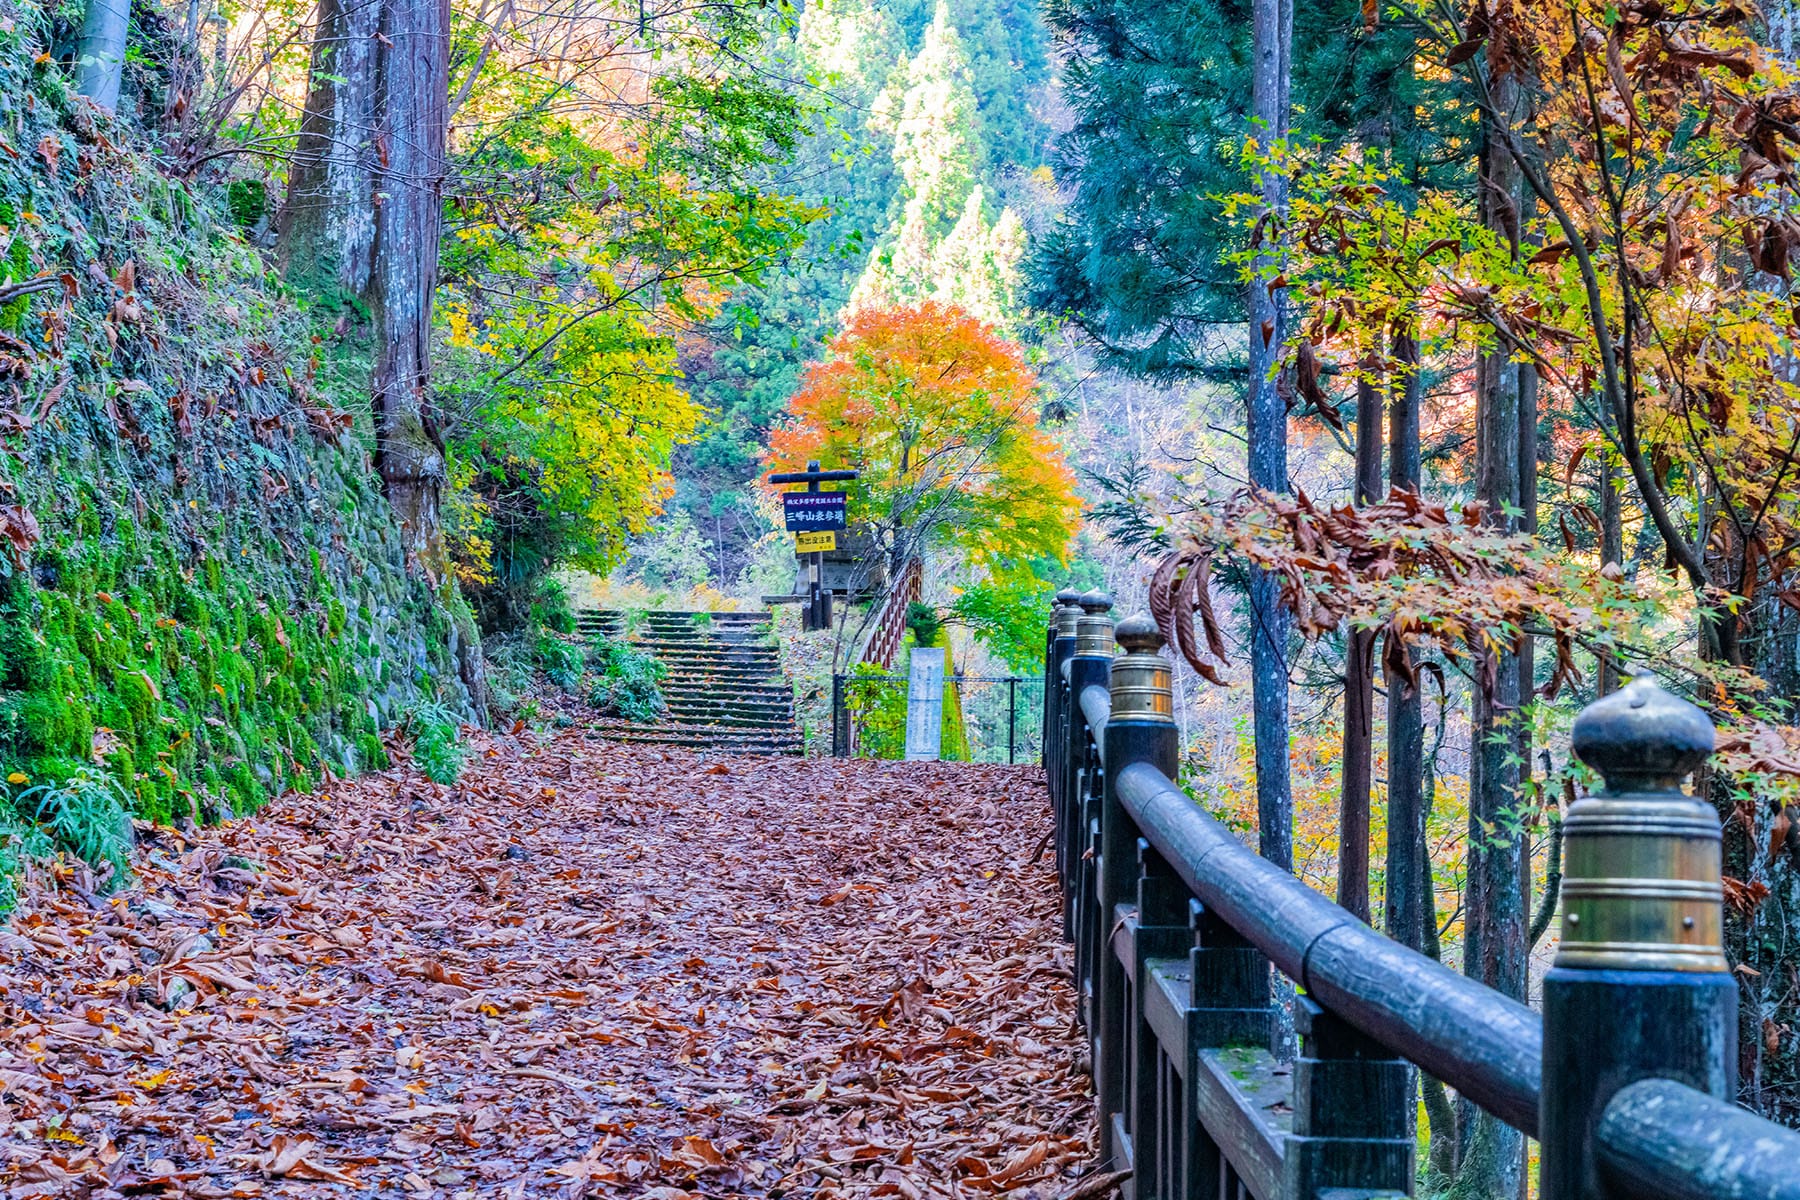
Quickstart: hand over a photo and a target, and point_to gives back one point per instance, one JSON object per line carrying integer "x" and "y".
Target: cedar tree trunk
{"x": 362, "y": 221}
{"x": 1359, "y": 683}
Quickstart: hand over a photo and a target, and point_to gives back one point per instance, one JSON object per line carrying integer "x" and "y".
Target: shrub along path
{"x": 585, "y": 969}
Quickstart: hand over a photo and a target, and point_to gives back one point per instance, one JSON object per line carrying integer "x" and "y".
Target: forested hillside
{"x": 927, "y": 142}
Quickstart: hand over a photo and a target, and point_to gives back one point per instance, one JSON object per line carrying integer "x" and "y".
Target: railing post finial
{"x": 1142, "y": 686}
{"x": 1640, "y": 987}
{"x": 1094, "y": 628}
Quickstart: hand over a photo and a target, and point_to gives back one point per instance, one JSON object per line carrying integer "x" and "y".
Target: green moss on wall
{"x": 200, "y": 585}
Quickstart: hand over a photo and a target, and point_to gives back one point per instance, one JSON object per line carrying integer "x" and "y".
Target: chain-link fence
{"x": 987, "y": 718}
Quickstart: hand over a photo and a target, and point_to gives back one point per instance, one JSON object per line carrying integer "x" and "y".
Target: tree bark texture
{"x": 411, "y": 129}
{"x": 105, "y": 28}
{"x": 1267, "y": 438}
{"x": 363, "y": 220}
{"x": 1408, "y": 869}
{"x": 363, "y": 217}
{"x": 1359, "y": 684}
{"x": 1494, "y": 927}
{"x": 327, "y": 226}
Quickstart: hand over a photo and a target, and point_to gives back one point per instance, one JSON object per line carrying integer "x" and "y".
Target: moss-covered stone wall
{"x": 200, "y": 583}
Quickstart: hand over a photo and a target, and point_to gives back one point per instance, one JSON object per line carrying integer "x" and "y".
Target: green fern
{"x": 437, "y": 742}
{"x": 86, "y": 814}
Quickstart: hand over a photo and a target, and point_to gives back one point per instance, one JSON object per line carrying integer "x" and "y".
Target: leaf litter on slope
{"x": 584, "y": 969}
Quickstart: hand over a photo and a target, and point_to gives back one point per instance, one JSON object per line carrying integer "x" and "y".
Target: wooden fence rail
{"x": 1177, "y": 928}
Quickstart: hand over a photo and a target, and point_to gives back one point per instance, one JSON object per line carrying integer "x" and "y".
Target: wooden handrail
{"x": 1176, "y": 925}
{"x": 889, "y": 628}
{"x": 1487, "y": 1047}
{"x": 1662, "y": 1140}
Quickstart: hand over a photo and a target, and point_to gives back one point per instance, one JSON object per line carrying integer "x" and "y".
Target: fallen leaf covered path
{"x": 585, "y": 969}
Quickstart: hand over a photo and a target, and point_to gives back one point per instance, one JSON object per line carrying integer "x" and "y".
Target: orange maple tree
{"x": 940, "y": 415}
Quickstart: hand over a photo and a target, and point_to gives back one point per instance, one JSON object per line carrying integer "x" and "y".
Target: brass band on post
{"x": 1063, "y": 599}
{"x": 1641, "y": 877}
{"x": 1094, "y": 629}
{"x": 1141, "y": 685}
{"x": 1066, "y": 616}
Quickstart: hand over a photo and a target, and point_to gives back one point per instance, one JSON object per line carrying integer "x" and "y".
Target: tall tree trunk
{"x": 1359, "y": 683}
{"x": 1408, "y": 869}
{"x": 1494, "y": 927}
{"x": 1528, "y": 523}
{"x": 326, "y": 240}
{"x": 412, "y": 126}
{"x": 1267, "y": 438}
{"x": 363, "y": 220}
{"x": 105, "y": 28}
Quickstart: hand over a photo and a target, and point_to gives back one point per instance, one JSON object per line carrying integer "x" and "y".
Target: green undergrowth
{"x": 437, "y": 747}
{"x": 628, "y": 683}
{"x": 609, "y": 675}
{"x": 203, "y": 601}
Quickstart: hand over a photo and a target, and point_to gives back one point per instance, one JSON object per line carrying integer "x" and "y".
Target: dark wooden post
{"x": 1046, "y": 732}
{"x": 1229, "y": 1004}
{"x": 1141, "y": 728}
{"x": 1640, "y": 986}
{"x": 1353, "y": 1120}
{"x": 1090, "y": 926}
{"x": 1090, "y": 664}
{"x": 1061, "y": 650}
{"x": 1161, "y": 933}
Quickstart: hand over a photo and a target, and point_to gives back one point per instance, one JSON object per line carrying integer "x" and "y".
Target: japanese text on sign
{"x": 806, "y": 512}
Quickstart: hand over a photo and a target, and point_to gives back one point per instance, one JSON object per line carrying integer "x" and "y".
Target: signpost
{"x": 806, "y": 512}
{"x": 814, "y": 517}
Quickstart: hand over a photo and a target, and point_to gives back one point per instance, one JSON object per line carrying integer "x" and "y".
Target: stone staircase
{"x": 725, "y": 687}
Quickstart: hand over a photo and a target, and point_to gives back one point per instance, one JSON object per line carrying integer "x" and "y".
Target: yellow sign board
{"x": 809, "y": 543}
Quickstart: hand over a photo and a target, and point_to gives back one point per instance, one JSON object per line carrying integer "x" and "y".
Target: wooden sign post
{"x": 814, "y": 518}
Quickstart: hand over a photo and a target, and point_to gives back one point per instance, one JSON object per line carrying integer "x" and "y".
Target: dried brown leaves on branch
{"x": 1422, "y": 574}
{"x": 584, "y": 970}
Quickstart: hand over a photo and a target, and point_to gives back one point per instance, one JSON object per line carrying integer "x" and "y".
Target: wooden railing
{"x": 1177, "y": 927}
{"x": 889, "y": 626}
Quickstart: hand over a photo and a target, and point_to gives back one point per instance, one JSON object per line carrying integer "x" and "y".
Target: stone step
{"x": 693, "y": 645}
{"x": 685, "y": 621}
{"x": 703, "y": 704}
{"x": 694, "y": 702}
{"x": 756, "y": 654}
{"x": 755, "y": 693}
{"x": 723, "y": 680}
{"x": 728, "y": 734}
{"x": 697, "y": 702}
{"x": 730, "y": 666}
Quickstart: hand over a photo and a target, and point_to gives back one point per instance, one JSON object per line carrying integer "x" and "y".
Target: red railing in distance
{"x": 890, "y": 625}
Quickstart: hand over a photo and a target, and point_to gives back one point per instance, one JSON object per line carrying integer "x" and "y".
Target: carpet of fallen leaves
{"x": 584, "y": 969}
